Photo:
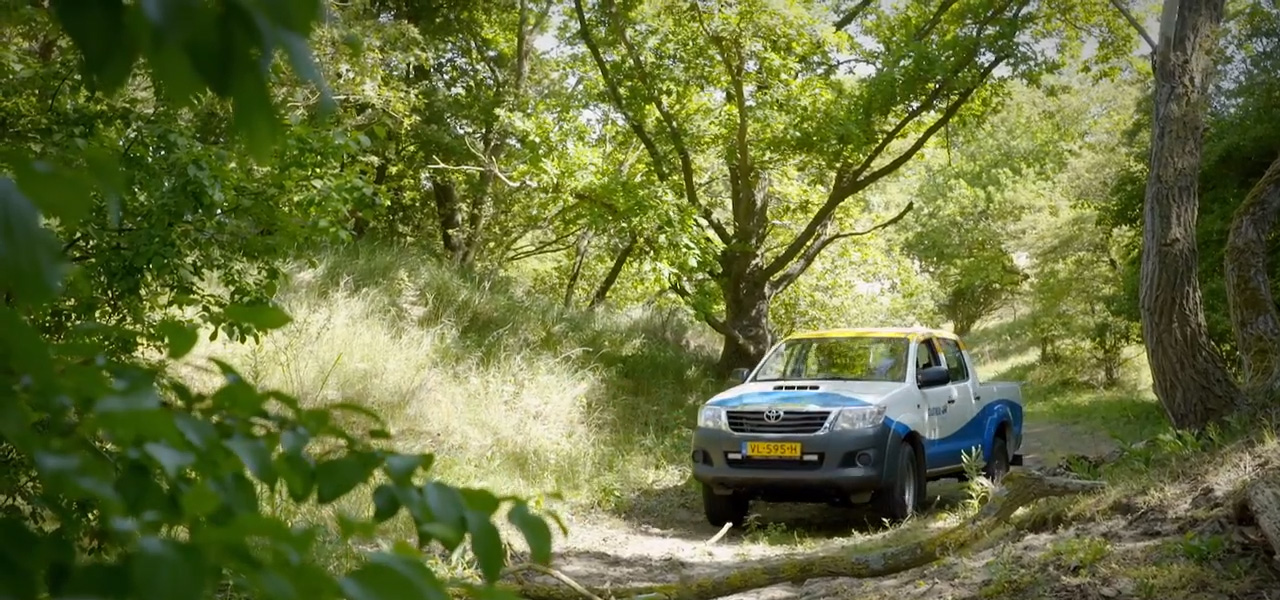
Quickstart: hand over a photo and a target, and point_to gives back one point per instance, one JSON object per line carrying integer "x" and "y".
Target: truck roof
{"x": 911, "y": 333}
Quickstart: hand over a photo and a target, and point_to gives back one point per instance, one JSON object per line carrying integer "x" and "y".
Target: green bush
{"x": 121, "y": 482}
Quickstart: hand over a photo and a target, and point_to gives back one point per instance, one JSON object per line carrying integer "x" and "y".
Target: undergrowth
{"x": 512, "y": 393}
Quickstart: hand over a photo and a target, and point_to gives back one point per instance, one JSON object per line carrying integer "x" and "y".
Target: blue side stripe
{"x": 979, "y": 431}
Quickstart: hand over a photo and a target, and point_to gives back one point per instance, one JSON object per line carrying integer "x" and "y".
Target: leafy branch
{"x": 674, "y": 132}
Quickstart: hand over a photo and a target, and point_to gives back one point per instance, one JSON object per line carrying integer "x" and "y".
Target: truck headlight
{"x": 861, "y": 417}
{"x": 712, "y": 417}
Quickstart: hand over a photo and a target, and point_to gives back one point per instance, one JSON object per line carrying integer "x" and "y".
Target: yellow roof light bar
{"x": 910, "y": 333}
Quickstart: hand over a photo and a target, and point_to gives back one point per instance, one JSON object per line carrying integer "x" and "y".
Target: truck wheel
{"x": 998, "y": 466}
{"x": 724, "y": 509}
{"x": 904, "y": 495}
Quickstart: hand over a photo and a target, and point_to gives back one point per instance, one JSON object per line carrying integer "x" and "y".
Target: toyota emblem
{"x": 772, "y": 415}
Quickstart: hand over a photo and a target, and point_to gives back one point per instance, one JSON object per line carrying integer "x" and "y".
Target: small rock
{"x": 1109, "y": 592}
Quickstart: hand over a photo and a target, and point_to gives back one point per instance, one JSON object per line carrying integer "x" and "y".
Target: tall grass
{"x": 511, "y": 392}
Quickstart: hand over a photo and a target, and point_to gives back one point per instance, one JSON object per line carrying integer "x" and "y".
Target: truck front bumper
{"x": 834, "y": 465}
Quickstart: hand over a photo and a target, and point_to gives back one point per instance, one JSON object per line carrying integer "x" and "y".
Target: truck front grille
{"x": 795, "y": 422}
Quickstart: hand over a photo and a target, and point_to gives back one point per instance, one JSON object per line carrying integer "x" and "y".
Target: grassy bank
{"x": 512, "y": 393}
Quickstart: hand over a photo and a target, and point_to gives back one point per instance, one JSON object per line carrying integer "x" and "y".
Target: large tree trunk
{"x": 746, "y": 331}
{"x": 1190, "y": 377}
{"x": 1253, "y": 309}
{"x": 1019, "y": 489}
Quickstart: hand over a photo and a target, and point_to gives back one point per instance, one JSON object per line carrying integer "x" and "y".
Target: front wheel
{"x": 731, "y": 508}
{"x": 903, "y": 497}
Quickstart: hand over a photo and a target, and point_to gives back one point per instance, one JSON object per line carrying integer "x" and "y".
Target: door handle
{"x": 951, "y": 400}
{"x": 977, "y": 398}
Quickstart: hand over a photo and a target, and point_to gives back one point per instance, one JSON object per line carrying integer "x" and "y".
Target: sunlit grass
{"x": 511, "y": 393}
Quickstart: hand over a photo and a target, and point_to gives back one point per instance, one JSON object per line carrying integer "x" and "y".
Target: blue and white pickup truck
{"x": 851, "y": 416}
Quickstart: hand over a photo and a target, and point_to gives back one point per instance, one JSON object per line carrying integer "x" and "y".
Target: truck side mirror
{"x": 932, "y": 377}
{"x": 739, "y": 375}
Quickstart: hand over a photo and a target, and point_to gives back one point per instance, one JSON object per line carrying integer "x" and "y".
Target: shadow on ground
{"x": 676, "y": 511}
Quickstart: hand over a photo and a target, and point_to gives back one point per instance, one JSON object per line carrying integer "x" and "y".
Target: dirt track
{"x": 661, "y": 536}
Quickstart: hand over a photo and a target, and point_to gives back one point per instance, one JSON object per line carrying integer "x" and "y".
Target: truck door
{"x": 937, "y": 407}
{"x": 964, "y": 408}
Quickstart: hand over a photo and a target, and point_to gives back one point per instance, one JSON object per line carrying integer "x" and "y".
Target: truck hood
{"x": 801, "y": 394}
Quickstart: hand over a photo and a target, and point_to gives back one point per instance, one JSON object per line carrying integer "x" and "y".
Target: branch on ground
{"x": 1264, "y": 503}
{"x": 1019, "y": 489}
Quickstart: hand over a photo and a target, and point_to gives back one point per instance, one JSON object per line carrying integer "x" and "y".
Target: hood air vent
{"x": 795, "y": 387}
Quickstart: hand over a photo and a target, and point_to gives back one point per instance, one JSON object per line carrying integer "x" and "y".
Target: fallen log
{"x": 1264, "y": 502}
{"x": 1018, "y": 489}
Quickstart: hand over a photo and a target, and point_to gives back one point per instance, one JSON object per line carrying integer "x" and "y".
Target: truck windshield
{"x": 858, "y": 358}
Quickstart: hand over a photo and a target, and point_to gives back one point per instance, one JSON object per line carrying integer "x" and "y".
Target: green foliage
{"x": 150, "y": 465}
{"x": 119, "y": 480}
{"x": 862, "y": 282}
{"x": 158, "y": 213}
{"x": 1081, "y": 553}
{"x": 977, "y": 488}
{"x": 1079, "y": 303}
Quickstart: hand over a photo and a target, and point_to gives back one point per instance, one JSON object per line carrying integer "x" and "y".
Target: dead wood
{"x": 1264, "y": 502}
{"x": 1019, "y": 489}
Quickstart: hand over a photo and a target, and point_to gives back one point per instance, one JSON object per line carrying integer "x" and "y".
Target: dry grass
{"x": 511, "y": 394}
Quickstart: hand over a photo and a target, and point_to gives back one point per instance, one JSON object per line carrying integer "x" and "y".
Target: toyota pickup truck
{"x": 852, "y": 416}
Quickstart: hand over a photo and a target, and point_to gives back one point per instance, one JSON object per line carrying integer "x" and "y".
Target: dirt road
{"x": 661, "y": 536}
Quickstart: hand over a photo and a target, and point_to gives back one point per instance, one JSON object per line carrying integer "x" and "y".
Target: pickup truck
{"x": 850, "y": 416}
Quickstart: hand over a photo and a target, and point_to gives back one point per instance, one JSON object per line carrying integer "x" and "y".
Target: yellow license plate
{"x": 772, "y": 449}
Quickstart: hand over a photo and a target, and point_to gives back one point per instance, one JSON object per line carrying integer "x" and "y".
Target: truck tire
{"x": 998, "y": 466}
{"x": 720, "y": 509}
{"x": 903, "y": 496}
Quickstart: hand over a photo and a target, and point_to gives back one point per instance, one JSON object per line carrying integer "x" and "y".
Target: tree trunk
{"x": 1019, "y": 488}
{"x": 611, "y": 278}
{"x": 1253, "y": 309}
{"x": 580, "y": 255}
{"x": 746, "y": 331}
{"x": 1190, "y": 377}
{"x": 449, "y": 214}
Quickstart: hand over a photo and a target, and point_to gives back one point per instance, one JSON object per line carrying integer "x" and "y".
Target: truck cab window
{"x": 926, "y": 356}
{"x": 955, "y": 360}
